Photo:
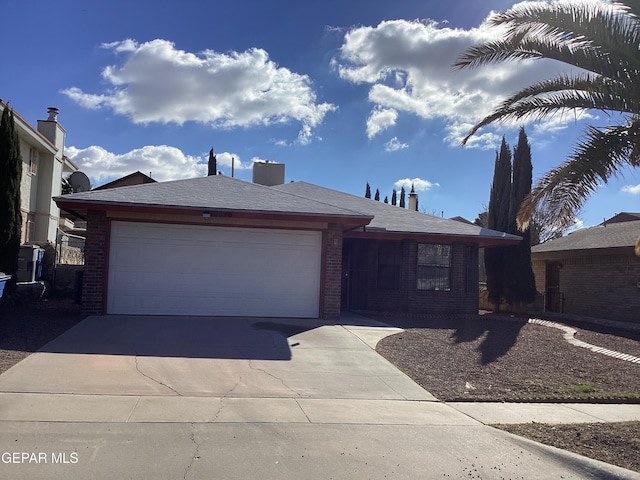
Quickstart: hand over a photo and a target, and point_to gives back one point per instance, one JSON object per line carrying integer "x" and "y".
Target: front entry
{"x": 354, "y": 275}
{"x": 554, "y": 299}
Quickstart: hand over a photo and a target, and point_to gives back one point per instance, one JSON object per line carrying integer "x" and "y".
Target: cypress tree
{"x": 386, "y": 199}
{"x": 402, "y": 195}
{"x": 498, "y": 219}
{"x": 520, "y": 283}
{"x": 10, "y": 216}
{"x": 377, "y": 197}
{"x": 367, "y": 192}
{"x": 394, "y": 197}
{"x": 212, "y": 166}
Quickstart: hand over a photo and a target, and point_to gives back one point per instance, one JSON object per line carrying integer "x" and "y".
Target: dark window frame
{"x": 434, "y": 267}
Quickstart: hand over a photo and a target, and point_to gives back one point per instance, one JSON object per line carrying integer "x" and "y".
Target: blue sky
{"x": 342, "y": 92}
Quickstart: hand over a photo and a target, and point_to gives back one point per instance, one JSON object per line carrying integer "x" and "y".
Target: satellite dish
{"x": 79, "y": 182}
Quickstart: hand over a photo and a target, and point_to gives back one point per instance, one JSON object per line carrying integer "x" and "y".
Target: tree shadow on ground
{"x": 500, "y": 332}
{"x": 499, "y": 336}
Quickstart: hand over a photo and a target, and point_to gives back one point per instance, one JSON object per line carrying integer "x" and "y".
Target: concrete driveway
{"x": 196, "y": 397}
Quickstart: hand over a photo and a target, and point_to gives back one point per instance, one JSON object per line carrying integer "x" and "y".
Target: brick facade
{"x": 96, "y": 258}
{"x": 94, "y": 276}
{"x": 332, "y": 277}
{"x": 601, "y": 286}
{"x": 461, "y": 298}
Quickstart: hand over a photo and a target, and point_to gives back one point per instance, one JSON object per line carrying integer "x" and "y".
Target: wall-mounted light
{"x": 206, "y": 215}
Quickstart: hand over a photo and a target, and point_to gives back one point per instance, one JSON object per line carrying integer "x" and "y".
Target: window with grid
{"x": 389, "y": 266}
{"x": 434, "y": 267}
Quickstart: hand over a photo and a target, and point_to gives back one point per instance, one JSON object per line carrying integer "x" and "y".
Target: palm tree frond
{"x": 596, "y": 37}
{"x": 561, "y": 94}
{"x": 600, "y": 156}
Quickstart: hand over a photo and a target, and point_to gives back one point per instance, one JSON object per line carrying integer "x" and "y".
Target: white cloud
{"x": 419, "y": 184}
{"x": 156, "y": 82}
{"x": 225, "y": 159}
{"x": 632, "y": 189}
{"x": 409, "y": 67}
{"x": 394, "y": 145}
{"x": 575, "y": 226}
{"x": 161, "y": 161}
{"x": 380, "y": 119}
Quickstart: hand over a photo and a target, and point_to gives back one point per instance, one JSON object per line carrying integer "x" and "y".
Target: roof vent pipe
{"x": 53, "y": 114}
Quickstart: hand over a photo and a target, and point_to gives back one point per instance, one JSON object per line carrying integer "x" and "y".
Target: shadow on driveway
{"x": 187, "y": 337}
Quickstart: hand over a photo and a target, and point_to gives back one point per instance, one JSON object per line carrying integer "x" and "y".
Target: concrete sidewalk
{"x": 40, "y": 407}
{"x": 490, "y": 413}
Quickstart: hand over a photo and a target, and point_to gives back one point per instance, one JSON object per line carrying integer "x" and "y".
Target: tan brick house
{"x": 592, "y": 272}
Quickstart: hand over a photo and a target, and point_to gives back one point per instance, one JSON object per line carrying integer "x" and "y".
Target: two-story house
{"x": 43, "y": 167}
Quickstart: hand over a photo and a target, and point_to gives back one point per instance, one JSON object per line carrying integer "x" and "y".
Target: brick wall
{"x": 459, "y": 299}
{"x": 598, "y": 286}
{"x": 332, "y": 288}
{"x": 93, "y": 288}
{"x": 408, "y": 299}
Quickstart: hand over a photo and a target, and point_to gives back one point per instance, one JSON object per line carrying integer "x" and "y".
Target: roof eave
{"x": 80, "y": 208}
{"x": 583, "y": 252}
{"x": 481, "y": 241}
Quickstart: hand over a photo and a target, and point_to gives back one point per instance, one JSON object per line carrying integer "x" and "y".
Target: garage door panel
{"x": 177, "y": 269}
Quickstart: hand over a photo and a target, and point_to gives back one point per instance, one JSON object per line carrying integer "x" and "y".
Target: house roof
{"x": 211, "y": 193}
{"x": 219, "y": 193}
{"x": 614, "y": 235}
{"x": 391, "y": 219}
{"x": 28, "y": 130}
{"x": 135, "y": 178}
{"x": 622, "y": 217}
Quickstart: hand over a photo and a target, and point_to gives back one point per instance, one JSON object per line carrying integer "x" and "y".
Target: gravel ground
{"x": 504, "y": 359}
{"x": 26, "y": 328}
{"x": 614, "y": 443}
{"x": 494, "y": 358}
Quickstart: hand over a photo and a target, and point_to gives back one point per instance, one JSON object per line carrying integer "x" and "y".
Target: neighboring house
{"x": 43, "y": 166}
{"x": 593, "y": 272}
{"x": 135, "y": 178}
{"x": 220, "y": 246}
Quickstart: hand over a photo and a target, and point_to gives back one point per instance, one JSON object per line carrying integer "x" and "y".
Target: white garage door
{"x": 157, "y": 269}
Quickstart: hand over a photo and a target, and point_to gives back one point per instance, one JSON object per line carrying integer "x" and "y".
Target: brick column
{"x": 332, "y": 277}
{"x": 95, "y": 267}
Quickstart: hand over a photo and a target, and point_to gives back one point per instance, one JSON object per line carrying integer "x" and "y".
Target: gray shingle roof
{"x": 389, "y": 218}
{"x": 216, "y": 192}
{"x": 614, "y": 235}
{"x": 221, "y": 193}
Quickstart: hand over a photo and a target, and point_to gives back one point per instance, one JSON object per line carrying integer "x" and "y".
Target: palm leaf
{"x": 561, "y": 94}
{"x": 599, "y": 157}
{"x": 600, "y": 39}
